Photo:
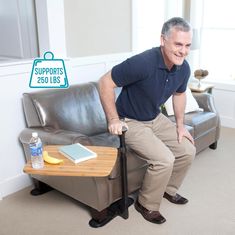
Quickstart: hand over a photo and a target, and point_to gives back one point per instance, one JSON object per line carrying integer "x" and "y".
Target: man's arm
{"x": 179, "y": 103}
{"x": 107, "y": 97}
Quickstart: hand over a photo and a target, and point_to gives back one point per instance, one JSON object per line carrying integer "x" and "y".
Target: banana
{"x": 51, "y": 160}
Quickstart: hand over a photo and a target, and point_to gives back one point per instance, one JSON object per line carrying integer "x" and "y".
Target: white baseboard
{"x": 14, "y": 184}
{"x": 227, "y": 122}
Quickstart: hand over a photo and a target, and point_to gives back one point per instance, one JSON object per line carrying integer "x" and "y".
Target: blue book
{"x": 77, "y": 152}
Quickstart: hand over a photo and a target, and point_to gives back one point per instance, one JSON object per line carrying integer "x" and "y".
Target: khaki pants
{"x": 156, "y": 141}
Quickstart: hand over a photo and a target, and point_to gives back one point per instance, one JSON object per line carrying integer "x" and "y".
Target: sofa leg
{"x": 40, "y": 188}
{"x": 101, "y": 218}
{"x": 213, "y": 146}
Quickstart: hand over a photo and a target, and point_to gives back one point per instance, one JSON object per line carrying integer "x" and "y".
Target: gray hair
{"x": 175, "y": 22}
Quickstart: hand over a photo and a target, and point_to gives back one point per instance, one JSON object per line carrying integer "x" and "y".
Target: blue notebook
{"x": 77, "y": 152}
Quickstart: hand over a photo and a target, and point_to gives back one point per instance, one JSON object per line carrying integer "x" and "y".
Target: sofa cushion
{"x": 77, "y": 108}
{"x": 105, "y": 139}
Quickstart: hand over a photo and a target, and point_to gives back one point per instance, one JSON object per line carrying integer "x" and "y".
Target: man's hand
{"x": 183, "y": 132}
{"x": 115, "y": 126}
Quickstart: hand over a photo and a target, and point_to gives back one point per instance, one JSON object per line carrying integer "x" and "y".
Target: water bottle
{"x": 35, "y": 146}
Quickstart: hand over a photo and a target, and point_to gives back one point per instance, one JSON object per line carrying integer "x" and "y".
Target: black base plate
{"x": 113, "y": 210}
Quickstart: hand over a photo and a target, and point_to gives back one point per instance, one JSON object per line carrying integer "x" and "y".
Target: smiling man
{"x": 148, "y": 80}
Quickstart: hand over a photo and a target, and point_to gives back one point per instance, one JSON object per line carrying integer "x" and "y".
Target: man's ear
{"x": 162, "y": 40}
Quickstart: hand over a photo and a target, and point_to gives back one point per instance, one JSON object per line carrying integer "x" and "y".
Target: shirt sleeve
{"x": 130, "y": 71}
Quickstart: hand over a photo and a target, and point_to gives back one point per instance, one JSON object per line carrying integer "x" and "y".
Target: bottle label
{"x": 36, "y": 150}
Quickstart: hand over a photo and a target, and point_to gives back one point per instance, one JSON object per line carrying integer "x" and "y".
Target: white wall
{"x": 14, "y": 82}
{"x": 14, "y": 78}
{"x": 97, "y": 27}
{"x": 224, "y": 96}
{"x": 51, "y": 27}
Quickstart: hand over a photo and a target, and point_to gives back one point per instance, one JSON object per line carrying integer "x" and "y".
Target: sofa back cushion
{"x": 77, "y": 108}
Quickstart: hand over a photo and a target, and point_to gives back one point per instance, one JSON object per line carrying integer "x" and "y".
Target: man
{"x": 147, "y": 81}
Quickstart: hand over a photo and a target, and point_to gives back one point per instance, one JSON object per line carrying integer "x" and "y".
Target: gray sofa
{"x": 66, "y": 116}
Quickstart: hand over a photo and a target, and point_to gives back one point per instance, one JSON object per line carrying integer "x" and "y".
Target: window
{"x": 18, "y": 30}
{"x": 217, "y": 52}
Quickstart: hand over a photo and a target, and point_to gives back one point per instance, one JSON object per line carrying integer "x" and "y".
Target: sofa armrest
{"x": 205, "y": 101}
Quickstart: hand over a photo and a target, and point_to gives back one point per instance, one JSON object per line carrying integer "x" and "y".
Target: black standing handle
{"x": 123, "y": 160}
{"x": 119, "y": 207}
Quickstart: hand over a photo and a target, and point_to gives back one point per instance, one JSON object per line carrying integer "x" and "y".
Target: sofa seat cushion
{"x": 105, "y": 139}
{"x": 202, "y": 122}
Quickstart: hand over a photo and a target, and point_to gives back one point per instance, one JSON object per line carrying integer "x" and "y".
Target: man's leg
{"x": 184, "y": 152}
{"x": 142, "y": 140}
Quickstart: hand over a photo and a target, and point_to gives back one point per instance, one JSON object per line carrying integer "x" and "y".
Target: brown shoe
{"x": 177, "y": 199}
{"x": 151, "y": 216}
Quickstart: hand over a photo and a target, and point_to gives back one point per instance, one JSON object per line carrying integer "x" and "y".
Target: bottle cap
{"x": 35, "y": 134}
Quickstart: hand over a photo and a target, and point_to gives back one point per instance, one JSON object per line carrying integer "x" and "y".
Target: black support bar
{"x": 119, "y": 207}
{"x": 123, "y": 159}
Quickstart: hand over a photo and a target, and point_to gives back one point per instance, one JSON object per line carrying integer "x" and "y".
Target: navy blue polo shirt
{"x": 147, "y": 83}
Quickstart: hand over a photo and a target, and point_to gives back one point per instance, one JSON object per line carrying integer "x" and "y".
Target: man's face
{"x": 175, "y": 47}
